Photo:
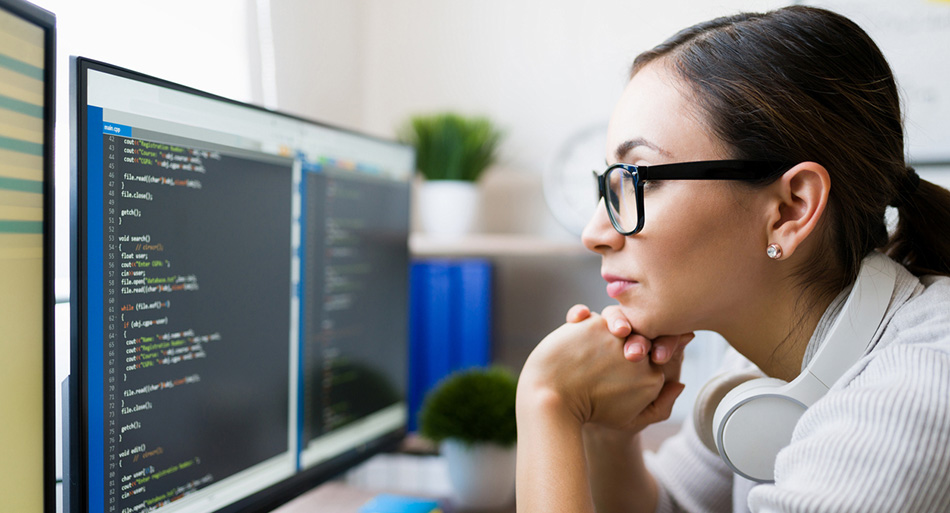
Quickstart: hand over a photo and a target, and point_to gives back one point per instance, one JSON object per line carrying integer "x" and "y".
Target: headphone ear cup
{"x": 709, "y": 398}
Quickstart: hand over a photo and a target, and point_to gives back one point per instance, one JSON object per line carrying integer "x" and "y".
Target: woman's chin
{"x": 642, "y": 322}
{"x": 650, "y": 325}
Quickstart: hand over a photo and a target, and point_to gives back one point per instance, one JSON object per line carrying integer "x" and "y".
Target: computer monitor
{"x": 241, "y": 298}
{"x": 27, "y": 46}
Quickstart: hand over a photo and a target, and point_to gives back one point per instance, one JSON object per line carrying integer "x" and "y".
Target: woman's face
{"x": 700, "y": 248}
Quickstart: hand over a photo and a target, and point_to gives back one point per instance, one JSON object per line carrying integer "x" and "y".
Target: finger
{"x": 666, "y": 346}
{"x": 674, "y": 363}
{"x": 673, "y": 367}
{"x": 617, "y": 322}
{"x": 685, "y": 339}
{"x": 636, "y": 348}
{"x": 578, "y": 313}
{"x": 661, "y": 408}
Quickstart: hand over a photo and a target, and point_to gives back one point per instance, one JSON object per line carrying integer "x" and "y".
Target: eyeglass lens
{"x": 622, "y": 198}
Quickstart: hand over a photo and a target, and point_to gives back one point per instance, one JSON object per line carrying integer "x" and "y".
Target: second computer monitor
{"x": 27, "y": 40}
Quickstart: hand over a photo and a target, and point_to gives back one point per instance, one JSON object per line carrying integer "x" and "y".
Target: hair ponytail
{"x": 921, "y": 242}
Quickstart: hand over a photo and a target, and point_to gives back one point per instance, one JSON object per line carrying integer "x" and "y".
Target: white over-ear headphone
{"x": 750, "y": 423}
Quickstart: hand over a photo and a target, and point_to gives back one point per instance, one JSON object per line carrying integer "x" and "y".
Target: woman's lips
{"x": 617, "y": 285}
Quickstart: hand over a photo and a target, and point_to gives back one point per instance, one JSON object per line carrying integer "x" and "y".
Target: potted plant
{"x": 471, "y": 413}
{"x": 452, "y": 152}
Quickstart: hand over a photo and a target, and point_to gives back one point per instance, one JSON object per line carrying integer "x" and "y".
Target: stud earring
{"x": 774, "y": 251}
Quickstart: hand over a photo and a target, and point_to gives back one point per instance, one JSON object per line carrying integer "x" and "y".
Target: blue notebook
{"x": 387, "y": 503}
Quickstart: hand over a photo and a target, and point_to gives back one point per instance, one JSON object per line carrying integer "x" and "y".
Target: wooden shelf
{"x": 495, "y": 245}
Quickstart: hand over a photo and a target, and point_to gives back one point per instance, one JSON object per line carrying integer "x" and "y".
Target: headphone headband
{"x": 860, "y": 317}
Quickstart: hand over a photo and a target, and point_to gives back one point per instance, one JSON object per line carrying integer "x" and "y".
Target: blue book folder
{"x": 450, "y": 322}
{"x": 473, "y": 314}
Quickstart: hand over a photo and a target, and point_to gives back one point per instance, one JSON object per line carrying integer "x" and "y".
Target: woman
{"x": 803, "y": 108}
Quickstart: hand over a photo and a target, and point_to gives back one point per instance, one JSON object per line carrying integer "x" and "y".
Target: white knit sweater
{"x": 879, "y": 440}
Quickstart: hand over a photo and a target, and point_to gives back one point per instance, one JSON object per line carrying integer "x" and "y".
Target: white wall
{"x": 319, "y": 58}
{"x": 199, "y": 43}
{"x": 542, "y": 69}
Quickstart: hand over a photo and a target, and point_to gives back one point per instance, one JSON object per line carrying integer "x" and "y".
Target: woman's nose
{"x": 599, "y": 235}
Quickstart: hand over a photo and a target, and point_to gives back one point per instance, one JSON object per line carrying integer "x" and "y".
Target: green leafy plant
{"x": 474, "y": 405}
{"x": 450, "y": 146}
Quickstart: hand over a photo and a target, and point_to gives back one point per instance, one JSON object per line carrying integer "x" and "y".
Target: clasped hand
{"x": 600, "y": 372}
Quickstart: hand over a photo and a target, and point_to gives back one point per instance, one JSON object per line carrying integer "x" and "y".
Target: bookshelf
{"x": 496, "y": 246}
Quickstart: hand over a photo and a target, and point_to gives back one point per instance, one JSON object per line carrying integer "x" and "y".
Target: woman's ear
{"x": 798, "y": 202}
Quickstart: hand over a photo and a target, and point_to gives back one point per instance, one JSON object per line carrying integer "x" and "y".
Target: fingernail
{"x": 634, "y": 350}
{"x": 661, "y": 354}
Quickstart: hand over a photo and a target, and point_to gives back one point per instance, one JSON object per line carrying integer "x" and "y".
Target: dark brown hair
{"x": 805, "y": 84}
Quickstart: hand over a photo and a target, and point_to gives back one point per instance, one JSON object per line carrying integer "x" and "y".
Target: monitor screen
{"x": 242, "y": 289}
{"x": 26, "y": 265}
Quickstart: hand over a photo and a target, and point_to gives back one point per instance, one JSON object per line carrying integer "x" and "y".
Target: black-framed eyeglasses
{"x": 621, "y": 185}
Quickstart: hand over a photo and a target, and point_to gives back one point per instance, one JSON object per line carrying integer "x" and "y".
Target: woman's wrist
{"x": 542, "y": 394}
{"x": 536, "y": 400}
{"x": 600, "y": 437}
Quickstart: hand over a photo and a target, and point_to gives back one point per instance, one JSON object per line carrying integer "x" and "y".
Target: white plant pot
{"x": 482, "y": 475}
{"x": 448, "y": 208}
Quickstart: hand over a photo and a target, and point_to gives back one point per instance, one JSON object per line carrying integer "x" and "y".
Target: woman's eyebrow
{"x": 625, "y": 147}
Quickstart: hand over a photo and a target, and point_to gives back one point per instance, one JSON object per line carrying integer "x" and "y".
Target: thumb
{"x": 578, "y": 313}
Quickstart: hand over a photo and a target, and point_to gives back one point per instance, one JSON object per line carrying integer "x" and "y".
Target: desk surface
{"x": 332, "y": 497}
{"x": 339, "y": 497}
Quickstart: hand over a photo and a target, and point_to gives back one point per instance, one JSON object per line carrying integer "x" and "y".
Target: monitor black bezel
{"x": 47, "y": 22}
{"x": 264, "y": 500}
